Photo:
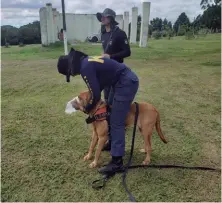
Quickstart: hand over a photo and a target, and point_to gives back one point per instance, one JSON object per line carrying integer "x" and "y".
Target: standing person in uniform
{"x": 98, "y": 73}
{"x": 115, "y": 46}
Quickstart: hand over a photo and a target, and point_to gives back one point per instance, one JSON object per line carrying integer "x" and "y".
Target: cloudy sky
{"x": 20, "y": 12}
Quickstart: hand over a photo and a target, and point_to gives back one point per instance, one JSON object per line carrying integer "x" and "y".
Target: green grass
{"x": 43, "y": 148}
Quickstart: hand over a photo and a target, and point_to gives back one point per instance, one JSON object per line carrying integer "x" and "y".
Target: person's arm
{"x": 106, "y": 93}
{"x": 89, "y": 76}
{"x": 124, "y": 47}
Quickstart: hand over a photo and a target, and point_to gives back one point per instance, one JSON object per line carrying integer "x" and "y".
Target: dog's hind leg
{"x": 92, "y": 146}
{"x": 147, "y": 142}
{"x": 142, "y": 150}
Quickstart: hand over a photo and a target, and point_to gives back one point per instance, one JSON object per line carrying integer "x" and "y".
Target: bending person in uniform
{"x": 100, "y": 72}
{"x": 115, "y": 46}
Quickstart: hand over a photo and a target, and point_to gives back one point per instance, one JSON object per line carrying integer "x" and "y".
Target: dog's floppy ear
{"x": 84, "y": 96}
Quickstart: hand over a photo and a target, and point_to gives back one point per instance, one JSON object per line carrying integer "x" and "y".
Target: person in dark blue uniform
{"x": 98, "y": 73}
{"x": 115, "y": 46}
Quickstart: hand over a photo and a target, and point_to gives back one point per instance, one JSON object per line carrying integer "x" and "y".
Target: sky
{"x": 21, "y": 12}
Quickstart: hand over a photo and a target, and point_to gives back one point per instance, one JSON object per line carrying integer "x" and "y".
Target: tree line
{"x": 209, "y": 20}
{"x": 26, "y": 34}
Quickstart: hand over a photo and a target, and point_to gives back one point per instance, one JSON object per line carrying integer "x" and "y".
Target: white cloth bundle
{"x": 69, "y": 108}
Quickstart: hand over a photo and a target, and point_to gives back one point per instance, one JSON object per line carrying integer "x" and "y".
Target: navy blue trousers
{"x": 108, "y": 95}
{"x": 123, "y": 95}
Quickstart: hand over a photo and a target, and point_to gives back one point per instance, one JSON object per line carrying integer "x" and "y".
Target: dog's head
{"x": 81, "y": 101}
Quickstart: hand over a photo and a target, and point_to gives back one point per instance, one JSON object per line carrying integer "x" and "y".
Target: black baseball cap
{"x": 63, "y": 67}
{"x": 69, "y": 65}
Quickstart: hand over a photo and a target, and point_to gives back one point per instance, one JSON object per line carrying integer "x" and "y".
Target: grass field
{"x": 43, "y": 148}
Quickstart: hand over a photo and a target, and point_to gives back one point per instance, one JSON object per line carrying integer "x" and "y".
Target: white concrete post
{"x": 43, "y": 26}
{"x": 121, "y": 22}
{"x": 90, "y": 24}
{"x": 144, "y": 24}
{"x": 133, "y": 30}
{"x": 119, "y": 19}
{"x": 50, "y": 27}
{"x": 54, "y": 18}
{"x": 64, "y": 28}
{"x": 58, "y": 21}
{"x": 126, "y": 23}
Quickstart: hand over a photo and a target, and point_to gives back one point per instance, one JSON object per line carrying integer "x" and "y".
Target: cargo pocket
{"x": 120, "y": 107}
{"x": 127, "y": 89}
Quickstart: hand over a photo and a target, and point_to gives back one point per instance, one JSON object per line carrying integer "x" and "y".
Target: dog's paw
{"x": 145, "y": 163}
{"x": 87, "y": 157}
{"x": 142, "y": 150}
{"x": 93, "y": 164}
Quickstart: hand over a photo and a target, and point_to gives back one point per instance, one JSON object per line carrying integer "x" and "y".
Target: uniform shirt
{"x": 117, "y": 46}
{"x": 98, "y": 72}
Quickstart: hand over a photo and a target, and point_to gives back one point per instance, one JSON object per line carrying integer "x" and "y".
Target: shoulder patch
{"x": 126, "y": 42}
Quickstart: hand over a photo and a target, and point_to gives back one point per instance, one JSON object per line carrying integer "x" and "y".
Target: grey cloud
{"x": 19, "y": 16}
{"x": 170, "y": 9}
{"x": 19, "y": 13}
{"x": 29, "y": 4}
{"x": 17, "y": 22}
{"x": 78, "y": 5}
{"x": 23, "y": 5}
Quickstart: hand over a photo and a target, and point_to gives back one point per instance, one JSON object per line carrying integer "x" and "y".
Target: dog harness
{"x": 100, "y": 115}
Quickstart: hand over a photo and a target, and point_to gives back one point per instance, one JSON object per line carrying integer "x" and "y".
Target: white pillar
{"x": 58, "y": 21}
{"x": 133, "y": 30}
{"x": 55, "y": 31}
{"x": 126, "y": 23}
{"x": 144, "y": 24}
{"x": 50, "y": 27}
{"x": 90, "y": 24}
{"x": 43, "y": 26}
{"x": 119, "y": 19}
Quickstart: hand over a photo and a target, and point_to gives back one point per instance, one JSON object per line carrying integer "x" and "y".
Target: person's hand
{"x": 106, "y": 55}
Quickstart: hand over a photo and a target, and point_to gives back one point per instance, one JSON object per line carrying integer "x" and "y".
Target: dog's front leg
{"x": 101, "y": 142}
{"x": 92, "y": 146}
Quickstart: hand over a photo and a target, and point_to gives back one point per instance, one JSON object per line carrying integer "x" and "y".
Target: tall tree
{"x": 139, "y": 19}
{"x": 181, "y": 20}
{"x": 197, "y": 23}
{"x": 150, "y": 30}
{"x": 211, "y": 17}
{"x": 170, "y": 25}
{"x": 9, "y": 34}
{"x": 207, "y": 3}
{"x": 28, "y": 34}
{"x": 165, "y": 23}
{"x": 157, "y": 24}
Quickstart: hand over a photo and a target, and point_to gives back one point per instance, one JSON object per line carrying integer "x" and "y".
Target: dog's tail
{"x": 158, "y": 128}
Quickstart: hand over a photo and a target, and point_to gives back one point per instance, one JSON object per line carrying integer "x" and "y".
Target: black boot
{"x": 115, "y": 165}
